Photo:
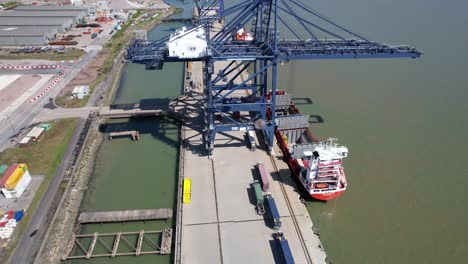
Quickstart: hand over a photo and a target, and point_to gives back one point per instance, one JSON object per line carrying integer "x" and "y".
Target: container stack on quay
{"x": 8, "y": 223}
{"x": 15, "y": 180}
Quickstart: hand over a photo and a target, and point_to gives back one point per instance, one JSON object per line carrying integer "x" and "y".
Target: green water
{"x": 138, "y": 174}
{"x": 404, "y": 121}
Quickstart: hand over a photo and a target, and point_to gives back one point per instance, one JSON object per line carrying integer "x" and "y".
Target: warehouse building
{"x": 61, "y": 23}
{"x": 37, "y": 25}
{"x": 75, "y": 15}
{"x": 87, "y": 9}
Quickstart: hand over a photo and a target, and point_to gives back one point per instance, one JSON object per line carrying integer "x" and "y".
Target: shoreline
{"x": 62, "y": 226}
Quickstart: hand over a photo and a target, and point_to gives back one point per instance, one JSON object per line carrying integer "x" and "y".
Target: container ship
{"x": 316, "y": 164}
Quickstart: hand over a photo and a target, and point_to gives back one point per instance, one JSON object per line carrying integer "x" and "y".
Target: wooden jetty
{"x": 145, "y": 244}
{"x": 124, "y": 216}
{"x": 135, "y": 134}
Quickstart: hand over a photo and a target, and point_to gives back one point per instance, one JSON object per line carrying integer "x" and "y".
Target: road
{"x": 61, "y": 113}
{"x": 37, "y": 228}
{"x": 32, "y": 239}
{"x": 11, "y": 125}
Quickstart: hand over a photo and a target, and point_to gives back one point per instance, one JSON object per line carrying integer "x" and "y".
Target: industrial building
{"x": 37, "y": 25}
{"x": 80, "y": 91}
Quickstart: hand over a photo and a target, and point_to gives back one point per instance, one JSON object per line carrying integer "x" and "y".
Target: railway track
{"x": 291, "y": 212}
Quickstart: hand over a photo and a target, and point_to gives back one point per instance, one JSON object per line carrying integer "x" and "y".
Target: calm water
{"x": 404, "y": 121}
{"x": 141, "y": 174}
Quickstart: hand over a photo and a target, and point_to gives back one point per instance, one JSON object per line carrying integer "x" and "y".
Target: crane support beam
{"x": 240, "y": 67}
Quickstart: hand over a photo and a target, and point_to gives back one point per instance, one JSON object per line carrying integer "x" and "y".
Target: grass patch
{"x": 68, "y": 54}
{"x": 10, "y": 4}
{"x": 42, "y": 157}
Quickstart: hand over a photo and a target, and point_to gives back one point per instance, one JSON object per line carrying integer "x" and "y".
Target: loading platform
{"x": 132, "y": 133}
{"x": 124, "y": 216}
{"x": 86, "y": 246}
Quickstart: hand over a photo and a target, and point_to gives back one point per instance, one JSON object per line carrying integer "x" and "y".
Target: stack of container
{"x": 15, "y": 180}
{"x": 8, "y": 223}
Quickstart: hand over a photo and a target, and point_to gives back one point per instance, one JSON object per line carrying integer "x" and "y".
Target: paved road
{"x": 12, "y": 124}
{"x": 37, "y": 228}
{"x": 32, "y": 239}
{"x": 61, "y": 113}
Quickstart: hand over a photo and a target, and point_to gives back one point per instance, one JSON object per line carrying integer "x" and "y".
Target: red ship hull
{"x": 295, "y": 168}
{"x": 327, "y": 196}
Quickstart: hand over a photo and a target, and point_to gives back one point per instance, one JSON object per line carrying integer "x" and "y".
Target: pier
{"x": 132, "y": 133}
{"x": 86, "y": 245}
{"x": 124, "y": 216}
{"x": 140, "y": 111}
{"x": 222, "y": 210}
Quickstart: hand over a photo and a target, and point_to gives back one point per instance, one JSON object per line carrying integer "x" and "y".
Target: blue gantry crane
{"x": 251, "y": 38}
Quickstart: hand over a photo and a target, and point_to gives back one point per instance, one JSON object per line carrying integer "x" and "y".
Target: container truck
{"x": 263, "y": 176}
{"x": 285, "y": 249}
{"x": 259, "y": 199}
{"x": 251, "y": 140}
{"x": 273, "y": 211}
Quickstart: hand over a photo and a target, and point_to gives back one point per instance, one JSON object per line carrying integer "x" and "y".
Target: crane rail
{"x": 291, "y": 212}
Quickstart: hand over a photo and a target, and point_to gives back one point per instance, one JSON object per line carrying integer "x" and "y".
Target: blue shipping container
{"x": 274, "y": 212}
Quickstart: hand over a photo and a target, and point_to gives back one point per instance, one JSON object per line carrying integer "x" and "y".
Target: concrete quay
{"x": 221, "y": 225}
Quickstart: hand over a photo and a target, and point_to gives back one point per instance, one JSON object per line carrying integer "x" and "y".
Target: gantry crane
{"x": 280, "y": 31}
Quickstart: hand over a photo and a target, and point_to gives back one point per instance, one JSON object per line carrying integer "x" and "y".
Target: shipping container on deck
{"x": 263, "y": 176}
{"x": 274, "y": 211}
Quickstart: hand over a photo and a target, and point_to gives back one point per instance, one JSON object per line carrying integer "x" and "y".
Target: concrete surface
{"x": 18, "y": 93}
{"x": 222, "y": 213}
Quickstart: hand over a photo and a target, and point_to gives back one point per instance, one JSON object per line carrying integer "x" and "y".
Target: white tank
{"x": 187, "y": 43}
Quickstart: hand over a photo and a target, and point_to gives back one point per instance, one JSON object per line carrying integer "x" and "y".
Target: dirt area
{"x": 16, "y": 88}
{"x": 67, "y": 55}
{"x": 86, "y": 76}
{"x": 88, "y": 73}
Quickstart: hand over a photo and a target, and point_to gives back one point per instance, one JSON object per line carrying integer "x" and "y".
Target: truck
{"x": 251, "y": 140}
{"x": 285, "y": 249}
{"x": 259, "y": 199}
{"x": 273, "y": 211}
{"x": 263, "y": 176}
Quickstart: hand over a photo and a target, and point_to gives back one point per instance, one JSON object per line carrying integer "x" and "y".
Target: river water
{"x": 404, "y": 121}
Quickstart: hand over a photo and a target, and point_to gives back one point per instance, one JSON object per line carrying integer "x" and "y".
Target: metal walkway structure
{"x": 282, "y": 30}
{"x": 123, "y": 244}
{"x": 125, "y": 215}
{"x": 140, "y": 111}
